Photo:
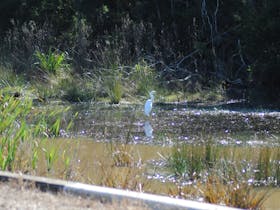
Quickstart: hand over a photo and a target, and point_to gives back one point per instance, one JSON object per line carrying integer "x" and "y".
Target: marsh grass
{"x": 217, "y": 190}
{"x": 78, "y": 89}
{"x": 114, "y": 90}
{"x": 9, "y": 78}
{"x": 233, "y": 193}
{"x": 189, "y": 161}
{"x": 122, "y": 177}
{"x": 144, "y": 77}
{"x": 50, "y": 62}
{"x": 51, "y": 156}
{"x": 52, "y": 70}
{"x": 22, "y": 130}
{"x": 228, "y": 176}
{"x": 123, "y": 169}
{"x": 13, "y": 128}
{"x": 260, "y": 165}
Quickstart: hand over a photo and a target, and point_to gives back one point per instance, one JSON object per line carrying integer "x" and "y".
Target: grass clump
{"x": 144, "y": 78}
{"x": 77, "y": 89}
{"x": 190, "y": 161}
{"x": 122, "y": 169}
{"x": 13, "y": 128}
{"x": 221, "y": 177}
{"x": 50, "y": 62}
{"x": 114, "y": 90}
{"x": 233, "y": 193}
{"x": 22, "y": 129}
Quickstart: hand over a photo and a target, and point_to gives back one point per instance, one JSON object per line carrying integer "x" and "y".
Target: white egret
{"x": 149, "y": 104}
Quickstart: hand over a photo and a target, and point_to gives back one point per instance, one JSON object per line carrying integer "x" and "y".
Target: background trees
{"x": 192, "y": 44}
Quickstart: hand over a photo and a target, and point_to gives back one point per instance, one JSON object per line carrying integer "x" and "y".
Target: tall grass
{"x": 78, "y": 89}
{"x": 13, "y": 128}
{"x": 224, "y": 176}
{"x": 233, "y": 193}
{"x": 122, "y": 169}
{"x": 189, "y": 161}
{"x": 114, "y": 90}
{"x": 50, "y": 62}
{"x": 144, "y": 77}
{"x": 196, "y": 162}
{"x": 22, "y": 129}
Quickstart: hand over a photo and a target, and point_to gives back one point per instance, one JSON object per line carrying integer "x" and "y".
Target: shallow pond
{"x": 117, "y": 146}
{"x": 174, "y": 123}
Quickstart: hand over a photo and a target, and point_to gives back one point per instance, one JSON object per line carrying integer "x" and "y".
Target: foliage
{"x": 235, "y": 194}
{"x": 143, "y": 76}
{"x": 21, "y": 130}
{"x": 114, "y": 90}
{"x": 188, "y": 162}
{"x": 77, "y": 89}
{"x": 9, "y": 79}
{"x": 13, "y": 128}
{"x": 219, "y": 176}
{"x": 51, "y": 62}
{"x": 261, "y": 43}
{"x": 191, "y": 45}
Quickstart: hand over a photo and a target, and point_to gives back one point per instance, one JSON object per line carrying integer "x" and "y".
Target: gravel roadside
{"x": 14, "y": 196}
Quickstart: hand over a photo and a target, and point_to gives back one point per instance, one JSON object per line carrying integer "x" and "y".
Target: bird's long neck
{"x": 152, "y": 97}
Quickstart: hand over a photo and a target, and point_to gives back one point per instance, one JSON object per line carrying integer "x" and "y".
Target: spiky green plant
{"x": 21, "y": 127}
{"x": 51, "y": 155}
{"x": 50, "y": 62}
{"x": 13, "y": 127}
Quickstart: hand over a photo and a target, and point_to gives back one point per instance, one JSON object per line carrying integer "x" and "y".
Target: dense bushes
{"x": 191, "y": 44}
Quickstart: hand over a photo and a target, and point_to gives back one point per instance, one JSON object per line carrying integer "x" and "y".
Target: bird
{"x": 149, "y": 104}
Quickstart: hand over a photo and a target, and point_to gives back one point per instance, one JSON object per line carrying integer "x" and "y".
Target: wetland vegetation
{"x": 217, "y": 156}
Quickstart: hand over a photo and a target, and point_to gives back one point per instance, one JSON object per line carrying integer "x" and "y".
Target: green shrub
{"x": 77, "y": 90}
{"x": 143, "y": 75}
{"x": 51, "y": 62}
{"x": 114, "y": 90}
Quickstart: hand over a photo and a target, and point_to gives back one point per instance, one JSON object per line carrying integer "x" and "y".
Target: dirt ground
{"x": 17, "y": 197}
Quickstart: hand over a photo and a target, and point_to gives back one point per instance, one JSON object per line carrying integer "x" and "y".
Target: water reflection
{"x": 115, "y": 123}
{"x": 148, "y": 129}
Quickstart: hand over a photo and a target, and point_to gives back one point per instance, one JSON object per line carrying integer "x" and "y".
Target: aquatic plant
{"x": 189, "y": 161}
{"x": 121, "y": 154}
{"x": 218, "y": 190}
{"x": 232, "y": 193}
{"x": 260, "y": 166}
{"x": 22, "y": 128}
{"x": 122, "y": 169}
{"x": 50, "y": 156}
{"x": 13, "y": 128}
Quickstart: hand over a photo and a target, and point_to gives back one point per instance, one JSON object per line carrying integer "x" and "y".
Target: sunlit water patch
{"x": 168, "y": 125}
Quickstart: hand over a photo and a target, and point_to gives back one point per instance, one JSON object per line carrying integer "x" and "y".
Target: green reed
{"x": 22, "y": 128}
{"x": 259, "y": 165}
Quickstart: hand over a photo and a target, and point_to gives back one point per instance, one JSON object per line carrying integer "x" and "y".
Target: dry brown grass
{"x": 216, "y": 191}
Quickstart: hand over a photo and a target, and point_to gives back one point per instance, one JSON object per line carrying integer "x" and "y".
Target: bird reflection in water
{"x": 148, "y": 129}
